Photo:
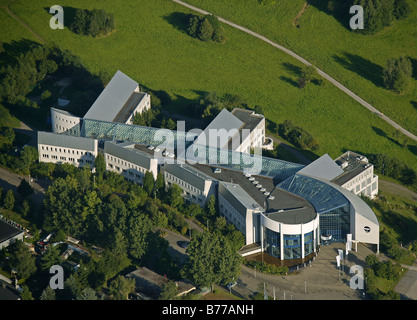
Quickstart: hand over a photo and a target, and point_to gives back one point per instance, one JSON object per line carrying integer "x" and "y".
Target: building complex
{"x": 283, "y": 209}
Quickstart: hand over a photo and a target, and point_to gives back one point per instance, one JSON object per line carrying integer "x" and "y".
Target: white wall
{"x": 62, "y": 121}
{"x": 77, "y": 157}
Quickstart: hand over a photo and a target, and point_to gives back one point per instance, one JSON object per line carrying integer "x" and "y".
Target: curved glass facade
{"x": 331, "y": 205}
{"x": 292, "y": 244}
{"x": 272, "y": 243}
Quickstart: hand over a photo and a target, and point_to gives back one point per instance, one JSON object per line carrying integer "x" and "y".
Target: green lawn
{"x": 355, "y": 60}
{"x": 150, "y": 46}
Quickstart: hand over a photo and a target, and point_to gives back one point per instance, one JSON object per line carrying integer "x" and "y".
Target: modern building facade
{"x": 284, "y": 209}
{"x": 129, "y": 160}
{"x": 240, "y": 130}
{"x": 58, "y": 148}
{"x": 197, "y": 186}
{"x": 358, "y": 174}
{"x": 120, "y": 100}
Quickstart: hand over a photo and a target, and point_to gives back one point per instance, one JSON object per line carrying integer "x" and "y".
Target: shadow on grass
{"x": 178, "y": 20}
{"x": 292, "y": 69}
{"x": 413, "y": 149}
{"x": 414, "y": 65}
{"x": 414, "y": 104}
{"x": 361, "y": 66}
{"x": 339, "y": 10}
{"x": 289, "y": 80}
{"x": 382, "y": 133}
{"x": 13, "y": 50}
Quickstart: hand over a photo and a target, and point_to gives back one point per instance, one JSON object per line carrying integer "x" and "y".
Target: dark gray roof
{"x": 7, "y": 231}
{"x": 129, "y": 106}
{"x": 352, "y": 164}
{"x": 238, "y": 197}
{"x": 189, "y": 174}
{"x": 112, "y": 98}
{"x": 249, "y": 193}
{"x": 248, "y": 117}
{"x": 128, "y": 152}
{"x": 60, "y": 140}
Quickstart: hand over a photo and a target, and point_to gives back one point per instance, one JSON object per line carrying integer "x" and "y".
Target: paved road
{"x": 302, "y": 60}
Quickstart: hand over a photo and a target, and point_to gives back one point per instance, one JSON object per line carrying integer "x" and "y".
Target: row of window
{"x": 54, "y": 157}
{"x": 125, "y": 163}
{"x": 69, "y": 151}
{"x": 182, "y": 183}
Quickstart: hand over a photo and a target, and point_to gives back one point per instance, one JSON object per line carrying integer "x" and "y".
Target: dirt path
{"x": 14, "y": 16}
{"x": 397, "y": 189}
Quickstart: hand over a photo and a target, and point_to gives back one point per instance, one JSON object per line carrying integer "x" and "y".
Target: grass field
{"x": 353, "y": 59}
{"x": 151, "y": 46}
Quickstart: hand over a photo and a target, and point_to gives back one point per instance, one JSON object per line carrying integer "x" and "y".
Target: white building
{"x": 240, "y": 130}
{"x": 58, "y": 148}
{"x": 120, "y": 100}
{"x": 358, "y": 174}
{"x": 130, "y": 160}
{"x": 197, "y": 186}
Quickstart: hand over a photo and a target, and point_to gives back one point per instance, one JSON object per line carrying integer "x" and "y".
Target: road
{"x": 304, "y": 61}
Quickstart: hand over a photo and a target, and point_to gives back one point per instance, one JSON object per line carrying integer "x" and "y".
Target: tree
{"x": 100, "y": 165}
{"x": 307, "y": 72}
{"x": 50, "y": 258}
{"x": 48, "y": 294}
{"x": 397, "y": 74}
{"x": 148, "y": 183}
{"x": 9, "y": 200}
{"x": 205, "y": 30}
{"x": 29, "y": 156}
{"x": 211, "y": 206}
{"x": 211, "y": 260}
{"x": 24, "y": 188}
{"x": 401, "y": 9}
{"x": 87, "y": 294}
{"x": 169, "y": 291}
{"x": 22, "y": 260}
{"x": 139, "y": 229}
{"x": 193, "y": 24}
{"x": 160, "y": 182}
{"x": 26, "y": 294}
{"x": 121, "y": 287}
{"x": 175, "y": 196}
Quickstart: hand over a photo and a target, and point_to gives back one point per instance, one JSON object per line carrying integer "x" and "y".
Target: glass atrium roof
{"x": 171, "y": 139}
{"x": 321, "y": 195}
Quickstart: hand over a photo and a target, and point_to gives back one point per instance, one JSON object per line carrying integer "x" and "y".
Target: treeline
{"x": 39, "y": 62}
{"x": 205, "y": 28}
{"x": 297, "y": 136}
{"x": 126, "y": 221}
{"x": 378, "y": 14}
{"x": 386, "y": 270}
{"x": 94, "y": 23}
{"x": 394, "y": 168}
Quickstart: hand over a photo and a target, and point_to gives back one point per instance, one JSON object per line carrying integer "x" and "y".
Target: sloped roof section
{"x": 112, "y": 98}
{"x": 224, "y": 120}
{"x": 59, "y": 140}
{"x": 323, "y": 168}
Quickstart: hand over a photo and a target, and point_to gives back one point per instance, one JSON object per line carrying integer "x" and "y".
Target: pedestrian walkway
{"x": 319, "y": 280}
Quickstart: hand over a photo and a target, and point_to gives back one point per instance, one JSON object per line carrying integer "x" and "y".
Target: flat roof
{"x": 295, "y": 209}
{"x": 353, "y": 164}
{"x": 250, "y": 119}
{"x": 7, "y": 231}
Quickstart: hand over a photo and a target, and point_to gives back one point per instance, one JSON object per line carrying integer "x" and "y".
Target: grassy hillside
{"x": 355, "y": 60}
{"x": 151, "y": 46}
